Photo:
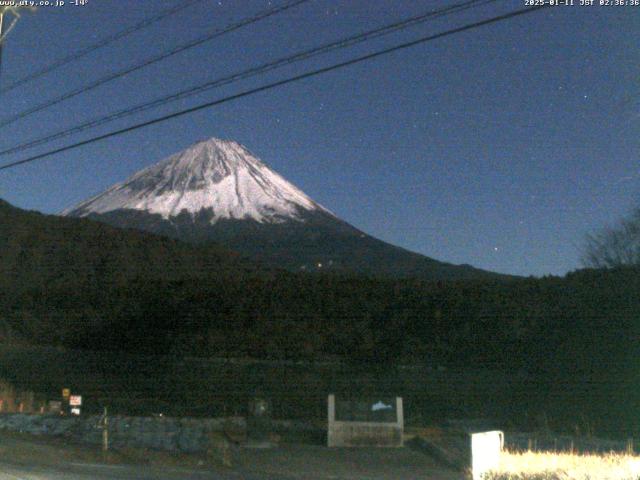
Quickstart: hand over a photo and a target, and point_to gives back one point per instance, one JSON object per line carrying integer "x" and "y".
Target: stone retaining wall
{"x": 187, "y": 435}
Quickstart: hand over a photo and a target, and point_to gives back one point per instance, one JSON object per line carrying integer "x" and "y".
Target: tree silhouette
{"x": 615, "y": 246}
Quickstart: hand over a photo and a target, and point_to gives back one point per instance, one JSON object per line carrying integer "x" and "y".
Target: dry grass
{"x": 565, "y": 466}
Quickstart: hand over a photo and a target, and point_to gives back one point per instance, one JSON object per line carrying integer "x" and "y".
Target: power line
{"x": 284, "y": 61}
{"x": 100, "y": 44}
{"x": 279, "y": 83}
{"x": 155, "y": 59}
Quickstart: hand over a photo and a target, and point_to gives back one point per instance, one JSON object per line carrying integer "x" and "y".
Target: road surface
{"x": 79, "y": 471}
{"x": 24, "y": 457}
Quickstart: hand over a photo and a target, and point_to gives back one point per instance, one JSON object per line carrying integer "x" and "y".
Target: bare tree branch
{"x": 615, "y": 246}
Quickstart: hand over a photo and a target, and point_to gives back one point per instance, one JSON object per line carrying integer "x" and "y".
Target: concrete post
{"x": 332, "y": 409}
{"x": 105, "y": 431}
{"x": 400, "y": 412}
{"x": 331, "y": 420}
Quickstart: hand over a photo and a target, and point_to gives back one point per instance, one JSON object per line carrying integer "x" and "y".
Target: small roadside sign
{"x": 55, "y": 406}
{"x": 75, "y": 401}
{"x": 66, "y": 393}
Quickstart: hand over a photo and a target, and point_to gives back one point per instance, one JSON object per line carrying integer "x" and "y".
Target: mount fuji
{"x": 218, "y": 191}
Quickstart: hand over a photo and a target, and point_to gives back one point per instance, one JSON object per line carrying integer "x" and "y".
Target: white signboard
{"x": 75, "y": 400}
{"x": 485, "y": 452}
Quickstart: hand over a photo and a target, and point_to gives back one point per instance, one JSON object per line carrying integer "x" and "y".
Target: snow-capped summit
{"x": 220, "y": 176}
{"x": 217, "y": 191}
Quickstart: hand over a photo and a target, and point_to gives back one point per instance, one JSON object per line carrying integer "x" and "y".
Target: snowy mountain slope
{"x": 217, "y": 191}
{"x": 216, "y": 174}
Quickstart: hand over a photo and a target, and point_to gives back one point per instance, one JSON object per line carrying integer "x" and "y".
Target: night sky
{"x": 500, "y": 147}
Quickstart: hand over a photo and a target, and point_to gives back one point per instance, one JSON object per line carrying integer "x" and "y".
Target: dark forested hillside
{"x": 51, "y": 264}
{"x": 581, "y": 323}
{"x": 77, "y": 283}
{"x": 51, "y": 250}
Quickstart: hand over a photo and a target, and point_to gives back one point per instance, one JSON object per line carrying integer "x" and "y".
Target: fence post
{"x": 630, "y": 449}
{"x": 105, "y": 431}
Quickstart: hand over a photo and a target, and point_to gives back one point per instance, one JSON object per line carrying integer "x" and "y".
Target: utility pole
{"x": 2, "y": 9}
{"x": 5, "y": 31}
